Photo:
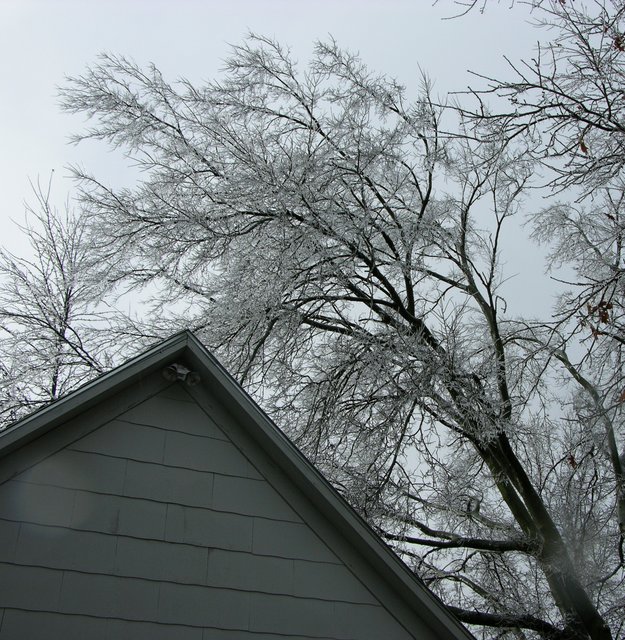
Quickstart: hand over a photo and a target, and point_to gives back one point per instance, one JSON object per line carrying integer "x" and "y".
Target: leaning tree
{"x": 342, "y": 255}
{"x": 569, "y": 100}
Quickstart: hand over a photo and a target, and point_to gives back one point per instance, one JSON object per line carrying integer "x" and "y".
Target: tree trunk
{"x": 579, "y": 613}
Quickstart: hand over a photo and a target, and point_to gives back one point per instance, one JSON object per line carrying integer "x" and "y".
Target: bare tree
{"x": 53, "y": 322}
{"x": 343, "y": 257}
{"x": 569, "y": 96}
{"x": 569, "y": 101}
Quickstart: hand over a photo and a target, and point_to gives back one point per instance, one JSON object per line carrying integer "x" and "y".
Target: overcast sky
{"x": 42, "y": 41}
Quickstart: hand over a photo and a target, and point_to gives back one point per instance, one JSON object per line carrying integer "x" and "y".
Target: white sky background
{"x": 42, "y": 41}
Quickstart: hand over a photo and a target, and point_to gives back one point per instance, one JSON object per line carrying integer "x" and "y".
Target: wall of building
{"x": 155, "y": 525}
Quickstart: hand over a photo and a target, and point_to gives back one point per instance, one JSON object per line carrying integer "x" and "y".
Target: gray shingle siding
{"x": 156, "y": 525}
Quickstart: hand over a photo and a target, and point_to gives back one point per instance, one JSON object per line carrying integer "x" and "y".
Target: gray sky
{"x": 42, "y": 41}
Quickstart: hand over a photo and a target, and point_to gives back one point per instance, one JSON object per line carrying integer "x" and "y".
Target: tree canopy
{"x": 340, "y": 247}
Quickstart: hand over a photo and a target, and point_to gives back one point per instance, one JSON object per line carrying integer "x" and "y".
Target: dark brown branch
{"x": 511, "y": 621}
{"x": 453, "y": 542}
